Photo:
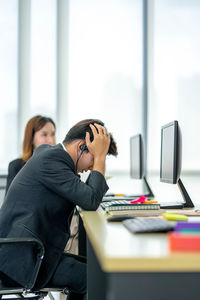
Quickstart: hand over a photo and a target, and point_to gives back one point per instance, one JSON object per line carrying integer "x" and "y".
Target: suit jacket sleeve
{"x": 58, "y": 175}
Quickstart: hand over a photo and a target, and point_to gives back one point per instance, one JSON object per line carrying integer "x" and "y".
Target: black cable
{"x": 76, "y": 166}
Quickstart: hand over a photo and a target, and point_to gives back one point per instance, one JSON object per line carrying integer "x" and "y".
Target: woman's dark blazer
{"x": 13, "y": 168}
{"x": 40, "y": 203}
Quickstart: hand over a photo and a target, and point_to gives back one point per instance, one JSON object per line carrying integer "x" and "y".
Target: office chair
{"x": 28, "y": 292}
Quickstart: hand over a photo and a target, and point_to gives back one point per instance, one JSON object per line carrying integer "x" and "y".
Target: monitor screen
{"x": 136, "y": 157}
{"x": 170, "y": 163}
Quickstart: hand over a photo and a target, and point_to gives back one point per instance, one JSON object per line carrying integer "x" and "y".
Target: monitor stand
{"x": 187, "y": 200}
{"x": 147, "y": 188}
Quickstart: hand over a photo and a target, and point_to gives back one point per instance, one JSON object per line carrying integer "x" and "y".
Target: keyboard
{"x": 104, "y": 205}
{"x": 142, "y": 225}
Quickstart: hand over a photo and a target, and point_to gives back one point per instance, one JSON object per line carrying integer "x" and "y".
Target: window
{"x": 43, "y": 58}
{"x": 175, "y": 91}
{"x": 8, "y": 79}
{"x": 105, "y": 68}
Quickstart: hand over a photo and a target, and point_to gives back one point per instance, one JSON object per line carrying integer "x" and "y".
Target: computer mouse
{"x": 119, "y": 218}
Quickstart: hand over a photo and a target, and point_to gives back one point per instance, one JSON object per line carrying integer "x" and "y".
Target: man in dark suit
{"x": 41, "y": 200}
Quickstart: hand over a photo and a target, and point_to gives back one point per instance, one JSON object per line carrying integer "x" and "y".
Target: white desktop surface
{"x": 118, "y": 250}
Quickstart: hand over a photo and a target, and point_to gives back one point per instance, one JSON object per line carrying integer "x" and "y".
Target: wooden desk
{"x": 125, "y": 266}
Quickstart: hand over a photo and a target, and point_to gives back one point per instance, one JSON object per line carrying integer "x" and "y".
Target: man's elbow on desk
{"x": 91, "y": 205}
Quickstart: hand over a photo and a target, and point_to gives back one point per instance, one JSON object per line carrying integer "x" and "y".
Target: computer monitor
{"x": 136, "y": 157}
{"x": 171, "y": 158}
{"x": 137, "y": 162}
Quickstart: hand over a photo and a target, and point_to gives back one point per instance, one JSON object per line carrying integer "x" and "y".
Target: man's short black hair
{"x": 78, "y": 132}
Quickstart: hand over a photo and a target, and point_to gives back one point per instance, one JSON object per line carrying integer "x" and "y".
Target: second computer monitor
{"x": 171, "y": 153}
{"x": 137, "y": 163}
{"x": 136, "y": 157}
{"x": 171, "y": 157}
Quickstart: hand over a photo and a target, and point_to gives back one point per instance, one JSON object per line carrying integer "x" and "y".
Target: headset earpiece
{"x": 84, "y": 147}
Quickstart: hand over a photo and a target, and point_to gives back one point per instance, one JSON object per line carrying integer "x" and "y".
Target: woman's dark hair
{"x": 78, "y": 132}
{"x": 33, "y": 125}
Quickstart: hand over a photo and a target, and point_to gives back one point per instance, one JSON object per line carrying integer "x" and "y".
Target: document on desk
{"x": 134, "y": 207}
{"x": 138, "y": 213}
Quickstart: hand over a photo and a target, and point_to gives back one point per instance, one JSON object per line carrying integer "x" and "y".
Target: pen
{"x": 116, "y": 195}
{"x": 150, "y": 202}
{"x": 113, "y": 195}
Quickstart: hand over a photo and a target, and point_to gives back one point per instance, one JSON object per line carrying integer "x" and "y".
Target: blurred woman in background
{"x": 39, "y": 130}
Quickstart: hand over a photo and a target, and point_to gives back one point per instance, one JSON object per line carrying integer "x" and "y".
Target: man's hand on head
{"x": 99, "y": 146}
{"x": 101, "y": 142}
